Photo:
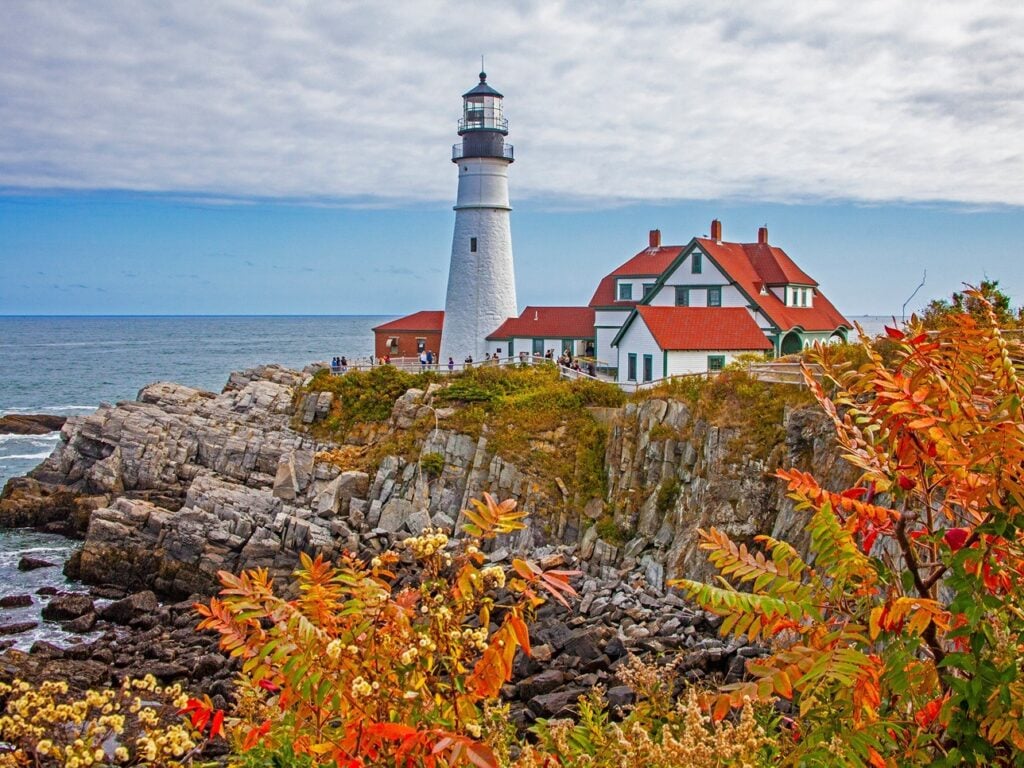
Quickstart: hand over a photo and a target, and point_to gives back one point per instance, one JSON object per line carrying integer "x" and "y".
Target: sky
{"x": 294, "y": 157}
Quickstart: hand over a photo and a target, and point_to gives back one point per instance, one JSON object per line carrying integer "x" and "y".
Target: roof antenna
{"x": 483, "y": 73}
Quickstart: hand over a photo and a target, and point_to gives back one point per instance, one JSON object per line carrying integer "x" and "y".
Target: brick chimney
{"x": 762, "y": 235}
{"x": 654, "y": 238}
{"x": 716, "y": 230}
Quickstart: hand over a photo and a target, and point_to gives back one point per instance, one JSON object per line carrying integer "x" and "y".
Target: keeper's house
{"x": 739, "y": 286}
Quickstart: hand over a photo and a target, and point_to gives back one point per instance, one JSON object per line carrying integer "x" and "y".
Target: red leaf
{"x": 906, "y": 483}
{"x": 869, "y": 538}
{"x": 391, "y": 731}
{"x": 217, "y": 723}
{"x": 893, "y": 333}
{"x": 956, "y": 537}
{"x": 268, "y": 686}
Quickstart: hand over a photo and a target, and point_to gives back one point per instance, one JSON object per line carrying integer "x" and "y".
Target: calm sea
{"x": 69, "y": 365}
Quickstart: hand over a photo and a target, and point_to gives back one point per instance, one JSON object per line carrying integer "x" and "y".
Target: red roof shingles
{"x": 426, "y": 320}
{"x": 650, "y": 262}
{"x": 548, "y": 322}
{"x": 703, "y": 328}
{"x": 744, "y": 262}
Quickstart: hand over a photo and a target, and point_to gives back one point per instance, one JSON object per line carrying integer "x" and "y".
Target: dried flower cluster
{"x": 135, "y": 724}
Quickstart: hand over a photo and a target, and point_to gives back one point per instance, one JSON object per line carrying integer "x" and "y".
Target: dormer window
{"x": 625, "y": 291}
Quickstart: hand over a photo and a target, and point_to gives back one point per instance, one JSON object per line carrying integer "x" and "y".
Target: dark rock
{"x": 541, "y": 683}
{"x": 615, "y": 648}
{"x": 131, "y": 607}
{"x": 103, "y": 656}
{"x": 17, "y": 627}
{"x": 69, "y": 606}
{"x": 554, "y": 704}
{"x": 15, "y": 601}
{"x": 620, "y": 696}
{"x": 30, "y": 423}
{"x": 46, "y": 650}
{"x": 82, "y": 624}
{"x": 207, "y": 665}
{"x": 47, "y": 591}
{"x": 166, "y": 672}
{"x": 33, "y": 563}
{"x": 583, "y": 643}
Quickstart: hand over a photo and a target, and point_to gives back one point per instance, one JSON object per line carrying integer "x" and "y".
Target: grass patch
{"x": 432, "y": 464}
{"x": 362, "y": 397}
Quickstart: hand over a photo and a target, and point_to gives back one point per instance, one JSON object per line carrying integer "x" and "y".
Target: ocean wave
{"x": 48, "y": 409}
{"x": 32, "y": 440}
{"x": 25, "y": 456}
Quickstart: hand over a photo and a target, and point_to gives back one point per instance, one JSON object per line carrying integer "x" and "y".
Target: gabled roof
{"x": 427, "y": 321}
{"x": 650, "y": 262}
{"x": 754, "y": 265}
{"x": 700, "y": 328}
{"x": 548, "y": 322}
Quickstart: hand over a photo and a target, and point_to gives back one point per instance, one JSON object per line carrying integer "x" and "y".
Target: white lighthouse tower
{"x": 481, "y": 279}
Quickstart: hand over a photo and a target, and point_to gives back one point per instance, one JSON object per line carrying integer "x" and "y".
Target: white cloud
{"x": 608, "y": 101}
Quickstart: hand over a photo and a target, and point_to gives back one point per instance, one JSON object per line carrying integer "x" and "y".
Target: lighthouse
{"x": 481, "y": 278}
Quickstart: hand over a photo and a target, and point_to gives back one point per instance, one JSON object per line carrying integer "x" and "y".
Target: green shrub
{"x": 668, "y": 494}
{"x": 432, "y": 464}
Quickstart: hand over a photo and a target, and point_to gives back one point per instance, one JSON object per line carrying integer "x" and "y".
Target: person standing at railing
{"x": 343, "y": 364}
{"x": 451, "y": 364}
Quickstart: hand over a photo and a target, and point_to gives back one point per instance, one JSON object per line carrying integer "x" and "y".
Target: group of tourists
{"x": 339, "y": 364}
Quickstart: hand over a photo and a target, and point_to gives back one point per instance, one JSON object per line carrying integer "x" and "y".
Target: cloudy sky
{"x": 190, "y": 157}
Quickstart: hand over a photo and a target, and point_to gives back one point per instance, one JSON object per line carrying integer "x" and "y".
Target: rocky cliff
{"x": 169, "y": 489}
{"x": 181, "y": 483}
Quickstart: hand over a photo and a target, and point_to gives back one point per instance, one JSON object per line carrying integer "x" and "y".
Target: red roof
{"x": 549, "y": 322}
{"x": 703, "y": 328}
{"x": 753, "y": 265}
{"x": 650, "y": 262}
{"x": 426, "y": 320}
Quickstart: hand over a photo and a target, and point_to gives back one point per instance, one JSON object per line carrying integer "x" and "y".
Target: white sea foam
{"x": 25, "y": 456}
{"x": 44, "y": 439}
{"x": 48, "y": 409}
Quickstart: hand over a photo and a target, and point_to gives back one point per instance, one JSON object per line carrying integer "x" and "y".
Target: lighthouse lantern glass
{"x": 483, "y": 112}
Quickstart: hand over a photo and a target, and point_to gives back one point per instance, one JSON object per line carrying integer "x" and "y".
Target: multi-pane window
{"x": 695, "y": 262}
{"x": 648, "y": 367}
{"x": 716, "y": 363}
{"x": 631, "y": 367}
{"x": 648, "y": 287}
{"x": 714, "y": 297}
{"x": 625, "y": 291}
{"x": 682, "y": 296}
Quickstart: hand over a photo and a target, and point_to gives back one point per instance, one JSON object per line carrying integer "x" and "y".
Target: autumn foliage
{"x": 900, "y": 641}
{"x": 357, "y": 671}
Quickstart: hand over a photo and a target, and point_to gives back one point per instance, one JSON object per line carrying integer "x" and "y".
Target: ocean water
{"x": 69, "y": 365}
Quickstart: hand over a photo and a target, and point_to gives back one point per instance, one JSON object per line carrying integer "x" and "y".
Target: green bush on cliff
{"x": 364, "y": 396}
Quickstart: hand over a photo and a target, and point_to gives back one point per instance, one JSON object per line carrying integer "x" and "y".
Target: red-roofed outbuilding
{"x": 540, "y": 329}
{"x": 408, "y": 336}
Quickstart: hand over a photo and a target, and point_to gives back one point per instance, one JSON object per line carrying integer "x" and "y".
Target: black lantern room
{"x": 483, "y": 127}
